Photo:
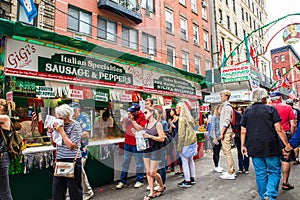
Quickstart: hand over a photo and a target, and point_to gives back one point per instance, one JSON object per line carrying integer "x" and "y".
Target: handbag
{"x": 141, "y": 144}
{"x": 65, "y": 169}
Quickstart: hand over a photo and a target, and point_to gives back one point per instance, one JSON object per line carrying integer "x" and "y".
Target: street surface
{"x": 208, "y": 185}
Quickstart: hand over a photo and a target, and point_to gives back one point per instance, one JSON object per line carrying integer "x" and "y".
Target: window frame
{"x": 145, "y": 5}
{"x": 206, "y": 40}
{"x": 182, "y": 2}
{"x": 196, "y": 35}
{"x": 172, "y": 23}
{"x": 185, "y": 62}
{"x": 197, "y": 67}
{"x": 114, "y": 35}
{"x": 79, "y": 20}
{"x": 182, "y": 19}
{"x": 194, "y": 6}
{"x": 276, "y": 59}
{"x": 282, "y": 58}
{"x": 128, "y": 39}
{"x": 146, "y": 47}
{"x": 173, "y": 56}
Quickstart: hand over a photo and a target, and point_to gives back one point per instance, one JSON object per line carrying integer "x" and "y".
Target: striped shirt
{"x": 73, "y": 131}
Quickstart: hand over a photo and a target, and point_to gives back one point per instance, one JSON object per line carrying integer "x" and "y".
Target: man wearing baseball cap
{"x": 136, "y": 121}
{"x": 85, "y": 124}
{"x": 288, "y": 123}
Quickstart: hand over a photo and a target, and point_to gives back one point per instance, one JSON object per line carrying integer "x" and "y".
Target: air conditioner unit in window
{"x": 204, "y": 4}
{"x": 79, "y": 37}
{"x": 149, "y": 56}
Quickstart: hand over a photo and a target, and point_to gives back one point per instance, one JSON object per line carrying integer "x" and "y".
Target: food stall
{"x": 42, "y": 70}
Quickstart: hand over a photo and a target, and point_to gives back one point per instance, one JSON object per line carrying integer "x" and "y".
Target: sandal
{"x": 178, "y": 173}
{"x": 159, "y": 192}
{"x": 287, "y": 186}
{"x": 148, "y": 197}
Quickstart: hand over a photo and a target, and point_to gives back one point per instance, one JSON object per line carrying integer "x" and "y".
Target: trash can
{"x": 200, "y": 142}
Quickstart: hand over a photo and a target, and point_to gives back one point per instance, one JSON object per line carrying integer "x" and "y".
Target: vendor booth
{"x": 41, "y": 70}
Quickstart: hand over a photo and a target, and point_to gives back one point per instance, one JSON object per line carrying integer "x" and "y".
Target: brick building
{"x": 283, "y": 59}
{"x": 177, "y": 33}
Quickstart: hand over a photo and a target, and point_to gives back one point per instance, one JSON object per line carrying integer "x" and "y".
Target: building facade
{"x": 174, "y": 33}
{"x": 232, "y": 19}
{"x": 283, "y": 61}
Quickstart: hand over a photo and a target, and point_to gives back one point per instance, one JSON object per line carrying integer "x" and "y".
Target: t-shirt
{"x": 73, "y": 131}
{"x": 286, "y": 114}
{"x": 261, "y": 137}
{"x": 129, "y": 136}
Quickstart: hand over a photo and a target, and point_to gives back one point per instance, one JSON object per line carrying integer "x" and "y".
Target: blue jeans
{"x": 5, "y": 192}
{"x": 130, "y": 150}
{"x": 268, "y": 174}
{"x": 162, "y": 165}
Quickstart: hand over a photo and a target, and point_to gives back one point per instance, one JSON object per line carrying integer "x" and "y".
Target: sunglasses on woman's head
{"x": 145, "y": 112}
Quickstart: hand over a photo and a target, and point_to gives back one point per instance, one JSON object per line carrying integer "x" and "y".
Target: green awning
{"x": 10, "y": 28}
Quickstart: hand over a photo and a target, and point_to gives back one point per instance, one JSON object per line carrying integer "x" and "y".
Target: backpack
{"x": 236, "y": 121}
{"x": 14, "y": 143}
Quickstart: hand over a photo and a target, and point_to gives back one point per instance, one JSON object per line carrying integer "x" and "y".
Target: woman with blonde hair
{"x": 5, "y": 124}
{"x": 187, "y": 144}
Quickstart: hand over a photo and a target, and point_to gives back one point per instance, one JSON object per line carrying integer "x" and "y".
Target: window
{"x": 194, "y": 5}
{"x": 246, "y": 16}
{"x": 197, "y": 65}
{"x": 171, "y": 56}
{"x": 233, "y": 5}
{"x": 207, "y": 65}
{"x": 204, "y": 13}
{"x": 283, "y": 70}
{"x": 196, "y": 34}
{"x": 22, "y": 17}
{"x": 107, "y": 30}
{"x": 228, "y": 23}
{"x": 129, "y": 38}
{"x": 183, "y": 28}
{"x": 236, "y": 29}
{"x": 276, "y": 59}
{"x": 226, "y": 1}
{"x": 276, "y": 72}
{"x": 148, "y": 5}
{"x": 243, "y": 14}
{"x": 250, "y": 21}
{"x": 169, "y": 21}
{"x": 182, "y": 2}
{"x": 149, "y": 44}
{"x": 79, "y": 21}
{"x": 185, "y": 62}
{"x": 205, "y": 37}
{"x": 220, "y": 16}
{"x": 282, "y": 58}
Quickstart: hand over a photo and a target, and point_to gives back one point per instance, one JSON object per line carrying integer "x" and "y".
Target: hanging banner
{"x": 44, "y": 92}
{"x": 165, "y": 84}
{"x": 75, "y": 94}
{"x": 291, "y": 34}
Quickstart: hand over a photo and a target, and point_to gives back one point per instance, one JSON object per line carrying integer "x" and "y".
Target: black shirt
{"x": 261, "y": 137}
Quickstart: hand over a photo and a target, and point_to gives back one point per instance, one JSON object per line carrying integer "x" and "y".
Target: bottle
{"x": 147, "y": 143}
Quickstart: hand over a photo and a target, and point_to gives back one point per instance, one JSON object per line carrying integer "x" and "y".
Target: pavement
{"x": 208, "y": 185}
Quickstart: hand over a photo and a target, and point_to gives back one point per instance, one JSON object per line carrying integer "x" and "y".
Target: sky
{"x": 277, "y": 9}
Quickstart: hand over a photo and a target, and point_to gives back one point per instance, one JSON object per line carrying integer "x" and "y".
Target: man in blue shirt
{"x": 85, "y": 123}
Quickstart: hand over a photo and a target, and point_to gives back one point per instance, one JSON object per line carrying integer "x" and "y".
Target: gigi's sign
{"x": 20, "y": 58}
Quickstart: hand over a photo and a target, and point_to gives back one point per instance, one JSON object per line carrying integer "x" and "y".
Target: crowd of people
{"x": 268, "y": 135}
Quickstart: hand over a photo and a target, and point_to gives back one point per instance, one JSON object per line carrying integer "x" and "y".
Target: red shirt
{"x": 129, "y": 136}
{"x": 286, "y": 114}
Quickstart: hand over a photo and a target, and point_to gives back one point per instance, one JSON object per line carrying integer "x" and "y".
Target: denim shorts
{"x": 154, "y": 155}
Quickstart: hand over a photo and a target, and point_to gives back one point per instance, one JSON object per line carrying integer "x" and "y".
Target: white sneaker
{"x": 88, "y": 195}
{"x": 120, "y": 185}
{"x": 227, "y": 173}
{"x": 138, "y": 184}
{"x": 218, "y": 169}
{"x": 156, "y": 188}
{"x": 227, "y": 176}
